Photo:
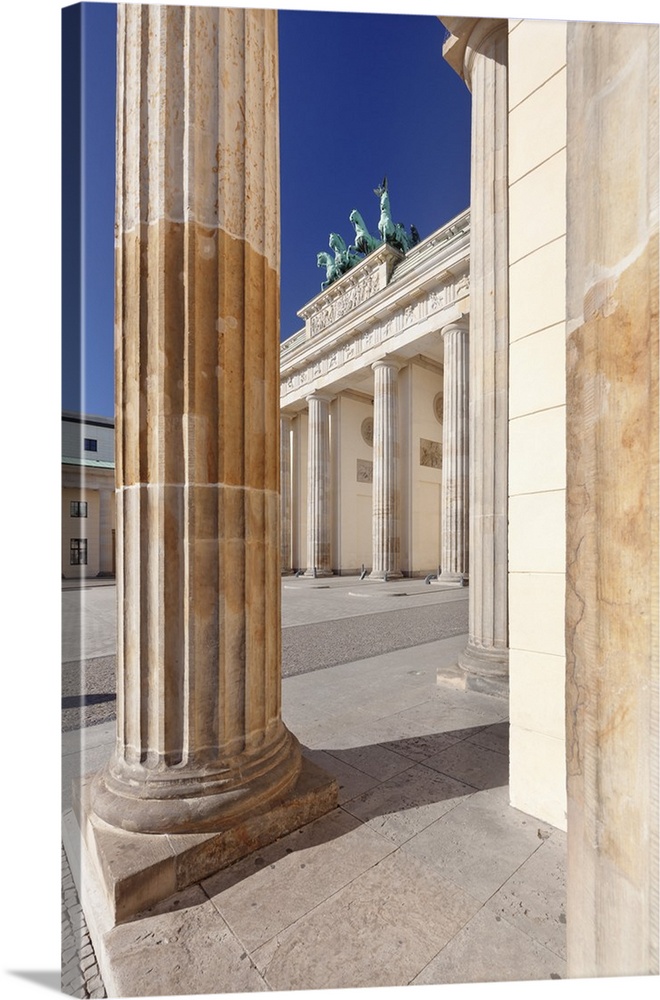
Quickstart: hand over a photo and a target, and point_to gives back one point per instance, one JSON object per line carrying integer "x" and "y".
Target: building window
{"x": 78, "y": 508}
{"x": 91, "y": 444}
{"x": 78, "y": 551}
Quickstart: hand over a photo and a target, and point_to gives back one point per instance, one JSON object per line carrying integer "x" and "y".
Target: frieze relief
{"x": 430, "y": 453}
{"x": 376, "y": 334}
{"x": 365, "y": 471}
{"x": 344, "y": 303}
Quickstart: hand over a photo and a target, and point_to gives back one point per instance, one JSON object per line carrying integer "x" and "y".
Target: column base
{"x": 453, "y": 579}
{"x": 313, "y": 574}
{"x": 485, "y": 670}
{"x": 385, "y": 576}
{"x": 132, "y": 871}
{"x": 148, "y": 800}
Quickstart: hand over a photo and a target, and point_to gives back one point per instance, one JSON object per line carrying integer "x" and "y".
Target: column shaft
{"x": 455, "y": 473}
{"x": 285, "y": 494}
{"x": 385, "y": 524}
{"x": 485, "y": 660}
{"x": 613, "y": 500}
{"x": 318, "y": 487}
{"x": 200, "y": 740}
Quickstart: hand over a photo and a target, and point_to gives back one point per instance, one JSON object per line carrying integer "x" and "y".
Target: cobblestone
{"x": 80, "y": 975}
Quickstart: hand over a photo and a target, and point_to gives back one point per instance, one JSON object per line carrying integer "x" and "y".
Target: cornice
{"x": 439, "y": 261}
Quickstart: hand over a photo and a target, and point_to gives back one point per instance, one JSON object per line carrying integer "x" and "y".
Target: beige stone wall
{"x": 352, "y": 458}
{"x": 81, "y": 527}
{"x": 537, "y": 416}
{"x": 425, "y": 445}
{"x": 107, "y": 531}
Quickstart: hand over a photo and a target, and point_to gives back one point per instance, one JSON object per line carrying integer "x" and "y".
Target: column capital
{"x": 325, "y": 397}
{"x": 468, "y": 37}
{"x": 460, "y": 325}
{"x": 387, "y": 362}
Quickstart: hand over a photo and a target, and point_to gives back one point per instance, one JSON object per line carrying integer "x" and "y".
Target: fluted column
{"x": 318, "y": 487}
{"x": 385, "y": 523}
{"x": 455, "y": 474}
{"x": 285, "y": 493}
{"x": 481, "y": 45}
{"x": 200, "y": 739}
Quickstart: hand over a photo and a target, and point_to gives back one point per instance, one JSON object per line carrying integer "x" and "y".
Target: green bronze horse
{"x": 364, "y": 241}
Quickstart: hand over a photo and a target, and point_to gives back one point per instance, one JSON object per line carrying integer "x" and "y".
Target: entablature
{"x": 422, "y": 293}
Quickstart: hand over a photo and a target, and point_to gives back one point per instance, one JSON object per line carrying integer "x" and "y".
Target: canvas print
{"x": 359, "y": 500}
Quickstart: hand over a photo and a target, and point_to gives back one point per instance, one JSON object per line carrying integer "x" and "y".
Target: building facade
{"x": 364, "y": 409}
{"x": 88, "y": 496}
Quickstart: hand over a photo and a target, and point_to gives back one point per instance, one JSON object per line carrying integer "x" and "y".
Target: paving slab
{"x": 184, "y": 940}
{"x": 350, "y": 781}
{"x": 269, "y": 891}
{"x": 480, "y": 843}
{"x": 533, "y": 899}
{"x": 494, "y": 737}
{"x": 379, "y": 930}
{"x": 473, "y": 764}
{"x": 420, "y": 746}
{"x": 408, "y": 802}
{"x": 489, "y": 949}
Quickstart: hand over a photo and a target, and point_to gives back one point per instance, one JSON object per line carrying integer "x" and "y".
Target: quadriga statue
{"x": 346, "y": 257}
{"x": 364, "y": 241}
{"x": 392, "y": 232}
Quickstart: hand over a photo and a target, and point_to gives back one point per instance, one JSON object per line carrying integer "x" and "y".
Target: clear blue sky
{"x": 361, "y": 96}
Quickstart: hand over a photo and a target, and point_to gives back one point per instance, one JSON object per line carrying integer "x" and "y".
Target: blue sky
{"x": 361, "y": 96}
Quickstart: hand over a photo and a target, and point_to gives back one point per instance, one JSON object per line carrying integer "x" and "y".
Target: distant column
{"x": 318, "y": 489}
{"x": 200, "y": 740}
{"x": 480, "y": 55}
{"x": 455, "y": 474}
{"x": 386, "y": 527}
{"x": 285, "y": 493}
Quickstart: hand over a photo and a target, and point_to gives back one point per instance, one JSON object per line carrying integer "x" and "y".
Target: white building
{"x": 88, "y": 501}
{"x": 376, "y": 336}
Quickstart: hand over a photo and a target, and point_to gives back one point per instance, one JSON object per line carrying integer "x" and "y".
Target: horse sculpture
{"x": 393, "y": 233}
{"x": 364, "y": 241}
{"x": 324, "y": 259}
{"x": 386, "y": 226}
{"x": 345, "y": 257}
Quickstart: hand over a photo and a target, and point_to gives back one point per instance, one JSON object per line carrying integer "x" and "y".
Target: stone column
{"x": 455, "y": 476}
{"x": 285, "y": 493}
{"x": 613, "y": 500}
{"x": 200, "y": 739}
{"x": 105, "y": 531}
{"x": 477, "y": 49}
{"x": 318, "y": 487}
{"x": 386, "y": 528}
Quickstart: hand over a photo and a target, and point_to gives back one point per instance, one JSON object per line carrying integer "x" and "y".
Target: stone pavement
{"x": 422, "y": 874}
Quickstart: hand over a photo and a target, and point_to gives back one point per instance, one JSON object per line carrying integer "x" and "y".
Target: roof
{"x": 82, "y": 418}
